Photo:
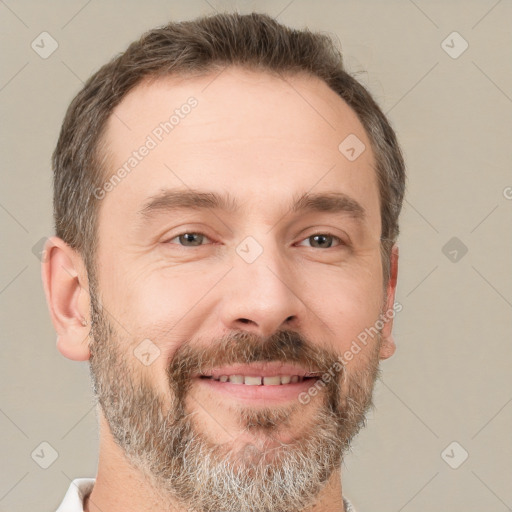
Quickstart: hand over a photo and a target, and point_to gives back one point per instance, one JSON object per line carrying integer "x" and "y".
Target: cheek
{"x": 162, "y": 306}
{"x": 353, "y": 306}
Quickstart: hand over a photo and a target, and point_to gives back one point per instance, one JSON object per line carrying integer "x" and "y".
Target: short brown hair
{"x": 196, "y": 47}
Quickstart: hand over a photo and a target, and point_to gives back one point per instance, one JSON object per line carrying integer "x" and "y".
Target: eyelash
{"x": 337, "y": 238}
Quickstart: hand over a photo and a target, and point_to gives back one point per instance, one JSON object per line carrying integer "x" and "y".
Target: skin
{"x": 265, "y": 140}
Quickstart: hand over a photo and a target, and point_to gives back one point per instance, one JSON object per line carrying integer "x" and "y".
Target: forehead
{"x": 259, "y": 136}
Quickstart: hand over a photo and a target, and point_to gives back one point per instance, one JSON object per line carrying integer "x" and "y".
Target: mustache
{"x": 242, "y": 347}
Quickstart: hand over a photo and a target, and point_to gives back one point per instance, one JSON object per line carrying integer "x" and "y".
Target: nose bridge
{"x": 261, "y": 288}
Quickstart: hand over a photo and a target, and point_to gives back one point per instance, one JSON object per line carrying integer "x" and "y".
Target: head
{"x": 209, "y": 215}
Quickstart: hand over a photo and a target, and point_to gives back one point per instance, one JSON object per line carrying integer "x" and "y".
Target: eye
{"x": 323, "y": 240}
{"x": 191, "y": 239}
{"x": 196, "y": 239}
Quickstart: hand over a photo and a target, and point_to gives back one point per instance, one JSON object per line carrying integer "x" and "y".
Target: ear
{"x": 66, "y": 288}
{"x": 388, "y": 345}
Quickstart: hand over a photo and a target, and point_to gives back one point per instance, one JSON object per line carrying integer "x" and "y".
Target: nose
{"x": 263, "y": 296}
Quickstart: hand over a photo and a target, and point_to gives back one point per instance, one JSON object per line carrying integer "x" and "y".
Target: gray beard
{"x": 184, "y": 466}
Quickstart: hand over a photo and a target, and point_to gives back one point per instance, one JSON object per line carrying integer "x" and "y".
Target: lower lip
{"x": 280, "y": 393}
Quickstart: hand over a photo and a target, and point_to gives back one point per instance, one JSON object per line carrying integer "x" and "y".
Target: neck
{"x": 120, "y": 487}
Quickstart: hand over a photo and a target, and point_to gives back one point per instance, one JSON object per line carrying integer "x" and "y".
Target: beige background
{"x": 450, "y": 379}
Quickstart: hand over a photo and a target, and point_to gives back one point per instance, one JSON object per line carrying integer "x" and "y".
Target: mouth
{"x": 258, "y": 380}
{"x": 259, "y": 383}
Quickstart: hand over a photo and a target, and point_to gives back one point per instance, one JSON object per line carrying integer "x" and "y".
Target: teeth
{"x": 250, "y": 380}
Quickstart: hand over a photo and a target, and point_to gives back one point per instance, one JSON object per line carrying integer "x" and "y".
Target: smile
{"x": 262, "y": 383}
{"x": 250, "y": 380}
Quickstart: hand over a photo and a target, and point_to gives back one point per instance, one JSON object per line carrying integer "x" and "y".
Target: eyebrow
{"x": 168, "y": 201}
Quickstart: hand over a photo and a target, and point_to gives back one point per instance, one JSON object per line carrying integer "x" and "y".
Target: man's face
{"x": 186, "y": 293}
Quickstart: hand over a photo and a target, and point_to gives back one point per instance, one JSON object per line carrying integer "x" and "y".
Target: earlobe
{"x": 68, "y": 347}
{"x": 66, "y": 289}
{"x": 388, "y": 345}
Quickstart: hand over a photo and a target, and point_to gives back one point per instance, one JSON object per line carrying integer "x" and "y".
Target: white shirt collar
{"x": 74, "y": 499}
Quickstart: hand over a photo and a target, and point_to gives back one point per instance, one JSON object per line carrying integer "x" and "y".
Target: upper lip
{"x": 260, "y": 370}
